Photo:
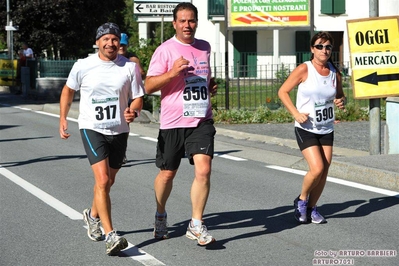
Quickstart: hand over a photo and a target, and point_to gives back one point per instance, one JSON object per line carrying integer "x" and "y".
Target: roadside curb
{"x": 358, "y": 173}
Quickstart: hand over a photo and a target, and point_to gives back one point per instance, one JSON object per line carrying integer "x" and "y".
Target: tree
{"x": 64, "y": 26}
{"x": 144, "y": 48}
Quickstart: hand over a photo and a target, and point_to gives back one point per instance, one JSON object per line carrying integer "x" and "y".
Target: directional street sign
{"x": 154, "y": 8}
{"x": 374, "y": 78}
{"x": 374, "y": 49}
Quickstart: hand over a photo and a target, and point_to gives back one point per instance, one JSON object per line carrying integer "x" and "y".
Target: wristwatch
{"x": 136, "y": 113}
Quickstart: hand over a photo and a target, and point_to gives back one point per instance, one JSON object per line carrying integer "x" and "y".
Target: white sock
{"x": 196, "y": 222}
{"x": 91, "y": 217}
{"x": 107, "y": 236}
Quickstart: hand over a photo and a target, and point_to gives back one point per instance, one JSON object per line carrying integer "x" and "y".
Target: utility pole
{"x": 226, "y": 57}
{"x": 311, "y": 20}
{"x": 374, "y": 104}
{"x": 8, "y": 32}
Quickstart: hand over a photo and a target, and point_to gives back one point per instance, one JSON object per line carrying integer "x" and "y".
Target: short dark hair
{"x": 185, "y": 5}
{"x": 324, "y": 35}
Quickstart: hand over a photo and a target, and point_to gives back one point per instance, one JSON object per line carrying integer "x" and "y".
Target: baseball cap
{"x": 124, "y": 39}
{"x": 108, "y": 28}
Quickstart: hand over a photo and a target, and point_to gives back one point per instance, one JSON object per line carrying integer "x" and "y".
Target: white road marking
{"x": 341, "y": 182}
{"x": 150, "y": 139}
{"x": 45, "y": 197}
{"x": 229, "y": 157}
{"x": 131, "y": 251}
{"x": 49, "y": 114}
{"x": 225, "y": 156}
{"x": 139, "y": 255}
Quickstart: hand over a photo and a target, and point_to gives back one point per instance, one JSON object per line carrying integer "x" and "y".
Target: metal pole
{"x": 162, "y": 28}
{"x": 226, "y": 56}
{"x": 374, "y": 104}
{"x": 8, "y": 32}
{"x": 311, "y": 9}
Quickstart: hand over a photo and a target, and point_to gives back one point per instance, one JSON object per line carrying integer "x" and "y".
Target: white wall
{"x": 214, "y": 31}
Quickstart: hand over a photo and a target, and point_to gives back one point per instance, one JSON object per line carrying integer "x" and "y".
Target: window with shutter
{"x": 332, "y": 7}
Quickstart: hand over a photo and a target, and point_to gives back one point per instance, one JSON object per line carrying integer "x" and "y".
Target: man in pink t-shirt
{"x": 180, "y": 69}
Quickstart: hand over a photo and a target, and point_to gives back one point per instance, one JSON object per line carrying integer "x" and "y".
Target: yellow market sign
{"x": 8, "y": 71}
{"x": 374, "y": 48}
{"x": 268, "y": 13}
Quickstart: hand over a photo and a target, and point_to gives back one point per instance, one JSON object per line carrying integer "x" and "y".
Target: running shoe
{"x": 114, "y": 243}
{"x": 93, "y": 226}
{"x": 199, "y": 233}
{"x": 316, "y": 217}
{"x": 300, "y": 213}
{"x": 161, "y": 228}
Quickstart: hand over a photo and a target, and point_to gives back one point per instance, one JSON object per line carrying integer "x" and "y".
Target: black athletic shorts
{"x": 306, "y": 139}
{"x": 174, "y": 144}
{"x": 99, "y": 146}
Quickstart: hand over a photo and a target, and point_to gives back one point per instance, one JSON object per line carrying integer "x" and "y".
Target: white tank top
{"x": 316, "y": 96}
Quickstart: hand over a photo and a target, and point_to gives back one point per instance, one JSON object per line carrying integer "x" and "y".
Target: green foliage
{"x": 272, "y": 111}
{"x": 145, "y": 49}
{"x": 3, "y": 43}
{"x": 68, "y": 26}
{"x": 263, "y": 114}
{"x": 353, "y": 112}
{"x": 282, "y": 74}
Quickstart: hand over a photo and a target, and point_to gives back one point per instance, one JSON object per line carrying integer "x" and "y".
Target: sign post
{"x": 374, "y": 51}
{"x": 8, "y": 68}
{"x": 375, "y": 66}
{"x": 150, "y": 8}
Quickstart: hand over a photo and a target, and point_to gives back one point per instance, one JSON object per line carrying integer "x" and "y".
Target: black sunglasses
{"x": 320, "y": 47}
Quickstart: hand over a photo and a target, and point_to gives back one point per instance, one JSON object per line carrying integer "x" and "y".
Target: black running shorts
{"x": 99, "y": 147}
{"x": 174, "y": 144}
{"x": 306, "y": 139}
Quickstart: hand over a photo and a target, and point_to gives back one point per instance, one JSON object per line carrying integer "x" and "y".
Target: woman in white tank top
{"x": 319, "y": 89}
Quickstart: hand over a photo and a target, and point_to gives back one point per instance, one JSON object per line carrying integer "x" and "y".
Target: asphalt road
{"x": 351, "y": 135}
{"x": 46, "y": 182}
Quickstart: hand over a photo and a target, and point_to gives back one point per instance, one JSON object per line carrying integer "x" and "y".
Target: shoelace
{"x": 161, "y": 225}
{"x": 302, "y": 206}
{"x": 95, "y": 226}
{"x": 113, "y": 236}
{"x": 316, "y": 213}
{"x": 204, "y": 231}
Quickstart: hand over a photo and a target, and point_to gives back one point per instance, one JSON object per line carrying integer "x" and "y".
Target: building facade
{"x": 250, "y": 50}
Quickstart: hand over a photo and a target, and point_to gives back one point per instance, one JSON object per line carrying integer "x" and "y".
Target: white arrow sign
{"x": 154, "y": 8}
